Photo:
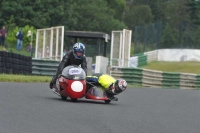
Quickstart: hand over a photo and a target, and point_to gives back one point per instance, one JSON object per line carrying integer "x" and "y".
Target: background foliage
{"x": 179, "y": 19}
{"x": 11, "y": 38}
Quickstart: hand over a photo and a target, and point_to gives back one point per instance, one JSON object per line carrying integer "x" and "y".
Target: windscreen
{"x": 74, "y": 72}
{"x": 97, "y": 91}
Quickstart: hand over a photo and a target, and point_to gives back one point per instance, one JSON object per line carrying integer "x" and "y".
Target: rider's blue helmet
{"x": 78, "y": 50}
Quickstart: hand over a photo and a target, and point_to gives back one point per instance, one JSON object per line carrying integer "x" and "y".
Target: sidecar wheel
{"x": 74, "y": 99}
{"x": 107, "y": 101}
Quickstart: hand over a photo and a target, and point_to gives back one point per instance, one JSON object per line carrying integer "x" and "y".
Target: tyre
{"x": 107, "y": 101}
{"x": 8, "y": 54}
{"x": 12, "y": 60}
{"x": 26, "y": 63}
{"x": 23, "y": 57}
{"x": 3, "y": 64}
{"x": 30, "y": 70}
{"x": 17, "y": 67}
{"x": 9, "y": 60}
{"x": 13, "y": 66}
{"x": 21, "y": 72}
{"x": 63, "y": 97}
{"x": 23, "y": 63}
{"x": 74, "y": 99}
{"x": 16, "y": 56}
{"x": 26, "y": 68}
{"x": 15, "y": 71}
{"x": 9, "y": 71}
{"x": 5, "y": 54}
{"x": 19, "y": 56}
{"x": 17, "y": 61}
{"x": 8, "y": 65}
{"x": 3, "y": 70}
{"x": 29, "y": 59}
{"x": 12, "y": 55}
{"x": 25, "y": 72}
{"x": 3, "y": 59}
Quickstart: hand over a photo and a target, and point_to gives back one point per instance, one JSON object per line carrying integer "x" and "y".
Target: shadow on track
{"x": 82, "y": 101}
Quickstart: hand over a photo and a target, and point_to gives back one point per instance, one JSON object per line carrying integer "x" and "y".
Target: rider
{"x": 113, "y": 86}
{"x": 72, "y": 57}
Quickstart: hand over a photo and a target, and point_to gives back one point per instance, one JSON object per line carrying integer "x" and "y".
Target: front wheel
{"x": 107, "y": 101}
{"x": 74, "y": 99}
{"x": 63, "y": 97}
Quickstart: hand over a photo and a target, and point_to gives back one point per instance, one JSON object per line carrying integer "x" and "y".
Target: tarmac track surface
{"x": 34, "y": 108}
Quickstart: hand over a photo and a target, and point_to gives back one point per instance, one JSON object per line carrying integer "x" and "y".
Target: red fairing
{"x": 89, "y": 96}
{"x": 72, "y": 88}
{"x": 99, "y": 95}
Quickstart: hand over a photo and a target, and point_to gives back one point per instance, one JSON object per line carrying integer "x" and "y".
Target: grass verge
{"x": 14, "y": 50}
{"x": 24, "y": 78}
{"x": 182, "y": 67}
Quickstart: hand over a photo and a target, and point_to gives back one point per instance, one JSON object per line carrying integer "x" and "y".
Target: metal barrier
{"x": 44, "y": 67}
{"x": 151, "y": 55}
{"x": 49, "y": 67}
{"x": 141, "y": 59}
{"x": 159, "y": 79}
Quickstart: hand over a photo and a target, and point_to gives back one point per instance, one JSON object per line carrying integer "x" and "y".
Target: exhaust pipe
{"x": 54, "y": 90}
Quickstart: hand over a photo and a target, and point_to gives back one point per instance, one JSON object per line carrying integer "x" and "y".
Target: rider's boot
{"x": 113, "y": 98}
{"x": 51, "y": 84}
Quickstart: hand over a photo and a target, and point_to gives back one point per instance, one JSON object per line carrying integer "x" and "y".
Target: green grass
{"x": 22, "y": 52}
{"x": 24, "y": 78}
{"x": 133, "y": 85}
{"x": 183, "y": 67}
{"x": 14, "y": 50}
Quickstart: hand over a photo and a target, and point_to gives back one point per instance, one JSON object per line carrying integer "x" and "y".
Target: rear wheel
{"x": 74, "y": 99}
{"x": 107, "y": 101}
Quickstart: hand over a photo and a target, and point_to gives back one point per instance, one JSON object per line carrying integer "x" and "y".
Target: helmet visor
{"x": 117, "y": 89}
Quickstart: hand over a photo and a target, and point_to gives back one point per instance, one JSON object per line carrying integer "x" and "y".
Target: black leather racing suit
{"x": 67, "y": 60}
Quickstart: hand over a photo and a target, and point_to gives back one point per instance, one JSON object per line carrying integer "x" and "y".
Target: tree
{"x": 138, "y": 15}
{"x": 118, "y": 7}
{"x": 169, "y": 37}
{"x": 94, "y": 16}
{"x": 101, "y": 15}
{"x": 194, "y": 8}
{"x": 19, "y": 8}
{"x": 197, "y": 38}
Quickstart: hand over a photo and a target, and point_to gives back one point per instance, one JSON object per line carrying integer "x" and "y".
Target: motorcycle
{"x": 71, "y": 83}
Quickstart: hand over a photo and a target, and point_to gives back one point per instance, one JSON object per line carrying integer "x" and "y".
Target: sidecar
{"x": 97, "y": 92}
